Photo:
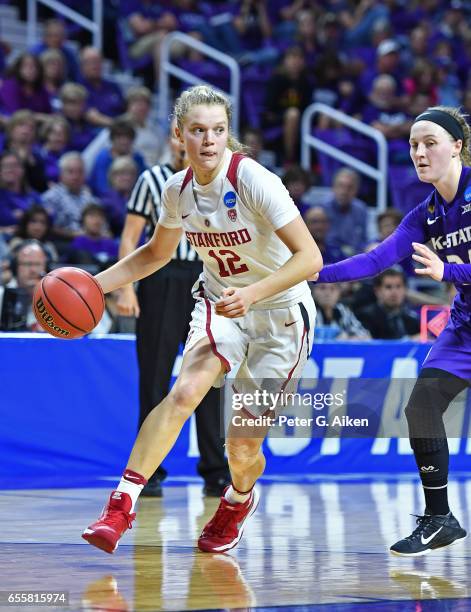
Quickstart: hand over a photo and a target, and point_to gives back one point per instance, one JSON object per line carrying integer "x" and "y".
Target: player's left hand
{"x": 234, "y": 302}
{"x": 433, "y": 265}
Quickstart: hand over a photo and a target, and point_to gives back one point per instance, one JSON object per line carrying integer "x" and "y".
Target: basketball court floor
{"x": 317, "y": 546}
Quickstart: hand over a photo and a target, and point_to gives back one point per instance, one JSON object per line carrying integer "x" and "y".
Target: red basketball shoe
{"x": 226, "y": 527}
{"x": 113, "y": 522}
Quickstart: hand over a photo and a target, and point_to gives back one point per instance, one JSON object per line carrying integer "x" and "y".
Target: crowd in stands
{"x": 72, "y": 143}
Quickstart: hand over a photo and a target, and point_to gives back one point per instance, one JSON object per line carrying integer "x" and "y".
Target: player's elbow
{"x": 314, "y": 263}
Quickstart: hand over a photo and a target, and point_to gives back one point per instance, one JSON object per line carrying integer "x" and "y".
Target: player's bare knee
{"x": 186, "y": 396}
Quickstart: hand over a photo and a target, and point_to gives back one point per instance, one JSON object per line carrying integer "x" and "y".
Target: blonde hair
{"x": 51, "y": 54}
{"x": 73, "y": 91}
{"x": 123, "y": 162}
{"x": 460, "y": 118}
{"x": 202, "y": 95}
{"x": 139, "y": 93}
{"x": 19, "y": 118}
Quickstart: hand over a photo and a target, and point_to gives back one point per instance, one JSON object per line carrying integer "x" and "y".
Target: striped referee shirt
{"x": 146, "y": 200}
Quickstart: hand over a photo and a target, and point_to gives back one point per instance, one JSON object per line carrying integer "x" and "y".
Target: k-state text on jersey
{"x": 452, "y": 239}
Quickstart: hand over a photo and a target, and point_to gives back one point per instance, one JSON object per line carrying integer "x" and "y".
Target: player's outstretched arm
{"x": 127, "y": 303}
{"x": 305, "y": 262}
{"x": 142, "y": 262}
{"x": 391, "y": 251}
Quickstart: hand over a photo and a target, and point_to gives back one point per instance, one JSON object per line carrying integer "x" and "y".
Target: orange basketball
{"x": 68, "y": 303}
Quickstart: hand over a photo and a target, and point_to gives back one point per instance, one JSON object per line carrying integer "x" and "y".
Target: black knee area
{"x": 431, "y": 396}
{"x": 428, "y": 445}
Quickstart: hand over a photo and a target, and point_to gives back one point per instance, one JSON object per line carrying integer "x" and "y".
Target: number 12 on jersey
{"x": 228, "y": 262}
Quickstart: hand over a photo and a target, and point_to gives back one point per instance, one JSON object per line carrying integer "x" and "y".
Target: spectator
{"x": 347, "y": 214}
{"x": 318, "y": 224}
{"x": 390, "y": 318}
{"x": 149, "y": 142}
{"x": 418, "y": 45}
{"x": 422, "y": 79}
{"x": 328, "y": 75}
{"x": 253, "y": 140}
{"x": 383, "y": 114}
{"x": 21, "y": 138}
{"x": 334, "y": 320}
{"x": 122, "y": 176}
{"x": 448, "y": 85}
{"x": 94, "y": 245}
{"x": 306, "y": 36}
{"x": 55, "y": 134}
{"x": 54, "y": 71}
{"x": 23, "y": 88}
{"x": 122, "y": 136}
{"x": 74, "y": 103}
{"x": 387, "y": 222}
{"x": 253, "y": 27}
{"x": 29, "y": 266}
{"x": 105, "y": 100}
{"x": 55, "y": 38}
{"x": 287, "y": 94}
{"x": 15, "y": 196}
{"x": 35, "y": 224}
{"x": 66, "y": 200}
{"x": 358, "y": 19}
{"x": 387, "y": 63}
{"x": 145, "y": 24}
{"x": 329, "y": 34}
{"x": 297, "y": 181}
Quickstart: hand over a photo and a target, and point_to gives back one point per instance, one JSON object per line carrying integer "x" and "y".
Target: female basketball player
{"x": 440, "y": 150}
{"x": 253, "y": 307}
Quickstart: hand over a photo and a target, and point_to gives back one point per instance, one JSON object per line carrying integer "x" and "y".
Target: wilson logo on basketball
{"x": 48, "y": 319}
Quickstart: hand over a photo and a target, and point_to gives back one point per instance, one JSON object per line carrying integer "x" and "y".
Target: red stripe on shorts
{"x": 214, "y": 347}
{"x": 297, "y": 361}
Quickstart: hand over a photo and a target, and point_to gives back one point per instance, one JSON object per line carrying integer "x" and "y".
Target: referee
{"x": 163, "y": 307}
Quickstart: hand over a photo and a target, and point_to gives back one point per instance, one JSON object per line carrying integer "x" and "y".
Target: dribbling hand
{"x": 234, "y": 302}
{"x": 127, "y": 303}
{"x": 433, "y": 265}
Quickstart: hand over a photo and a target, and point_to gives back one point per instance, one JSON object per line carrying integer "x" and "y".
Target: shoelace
{"x": 113, "y": 516}
{"x": 222, "y": 517}
{"x": 423, "y": 521}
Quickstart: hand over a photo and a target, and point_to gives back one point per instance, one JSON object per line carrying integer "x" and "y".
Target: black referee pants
{"x": 166, "y": 304}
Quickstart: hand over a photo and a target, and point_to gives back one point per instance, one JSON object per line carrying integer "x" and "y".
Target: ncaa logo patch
{"x": 232, "y": 214}
{"x": 230, "y": 199}
{"x": 467, "y": 195}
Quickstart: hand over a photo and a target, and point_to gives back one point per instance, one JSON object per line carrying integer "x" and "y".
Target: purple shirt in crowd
{"x": 446, "y": 225}
{"x": 105, "y": 97}
{"x": 102, "y": 248}
{"x": 13, "y": 205}
{"x": 81, "y": 135}
{"x": 13, "y": 97}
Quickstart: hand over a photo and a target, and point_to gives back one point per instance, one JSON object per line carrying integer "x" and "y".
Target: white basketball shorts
{"x": 265, "y": 349}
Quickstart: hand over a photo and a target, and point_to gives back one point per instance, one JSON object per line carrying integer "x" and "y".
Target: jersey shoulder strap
{"x": 231, "y": 174}
{"x": 232, "y": 170}
{"x": 187, "y": 179}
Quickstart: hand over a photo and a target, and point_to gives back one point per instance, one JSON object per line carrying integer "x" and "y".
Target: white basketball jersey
{"x": 231, "y": 223}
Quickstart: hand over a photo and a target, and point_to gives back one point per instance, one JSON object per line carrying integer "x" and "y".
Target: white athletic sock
{"x": 234, "y": 497}
{"x": 132, "y": 489}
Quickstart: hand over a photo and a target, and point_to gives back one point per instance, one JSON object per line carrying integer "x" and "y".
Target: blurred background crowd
{"x": 78, "y": 126}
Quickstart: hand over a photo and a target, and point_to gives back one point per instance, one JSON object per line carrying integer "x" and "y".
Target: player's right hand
{"x": 127, "y": 303}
